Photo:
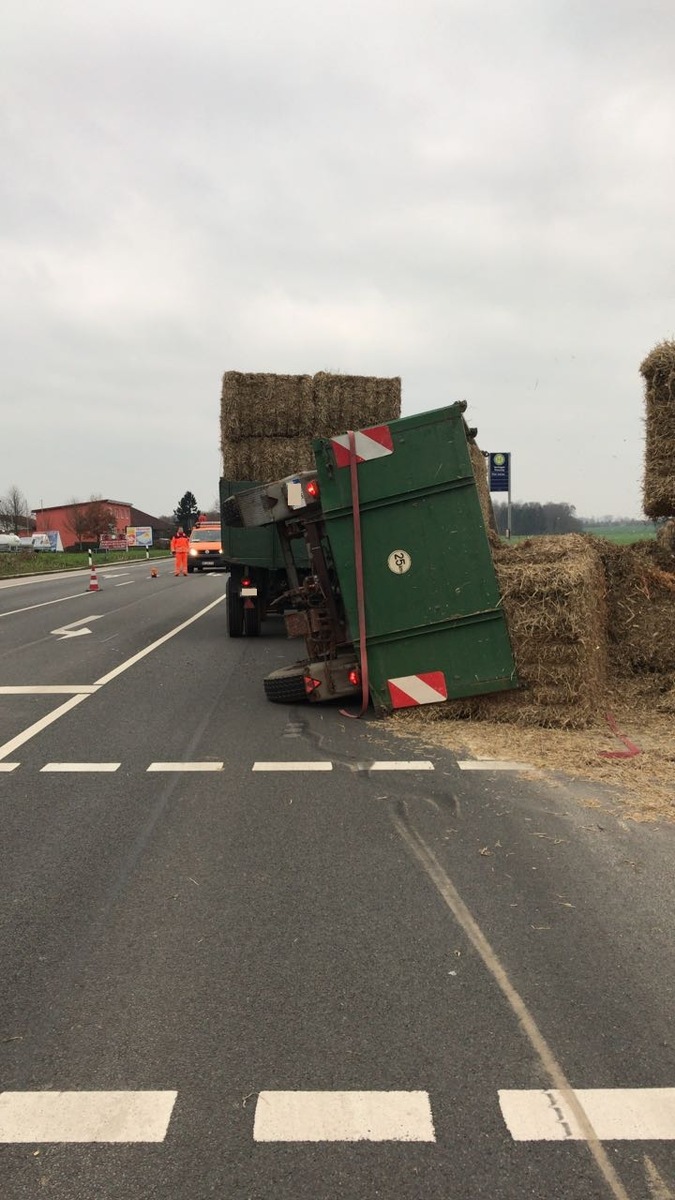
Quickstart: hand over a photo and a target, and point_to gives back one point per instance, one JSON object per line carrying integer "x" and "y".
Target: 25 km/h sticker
{"x": 399, "y": 562}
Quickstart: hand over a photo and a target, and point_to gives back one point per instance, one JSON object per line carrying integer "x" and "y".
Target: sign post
{"x": 500, "y": 480}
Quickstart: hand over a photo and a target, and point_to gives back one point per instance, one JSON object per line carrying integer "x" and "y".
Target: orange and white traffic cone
{"x": 93, "y": 580}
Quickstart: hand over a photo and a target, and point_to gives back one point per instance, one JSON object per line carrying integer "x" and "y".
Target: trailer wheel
{"x": 235, "y": 613}
{"x": 252, "y": 620}
{"x": 286, "y": 686}
{"x": 231, "y": 516}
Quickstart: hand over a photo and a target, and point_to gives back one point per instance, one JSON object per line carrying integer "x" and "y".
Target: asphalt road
{"x": 223, "y": 977}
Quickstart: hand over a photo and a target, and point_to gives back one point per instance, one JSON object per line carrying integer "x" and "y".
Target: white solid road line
{"x": 130, "y": 662}
{"x": 38, "y": 726}
{"x": 186, "y": 766}
{"x": 292, "y": 766}
{"x": 65, "y": 689}
{"x": 81, "y": 766}
{"x": 43, "y": 604}
{"x": 493, "y": 764}
{"x": 422, "y": 765}
{"x": 85, "y": 1116}
{"x": 616, "y": 1114}
{"x": 343, "y": 1117}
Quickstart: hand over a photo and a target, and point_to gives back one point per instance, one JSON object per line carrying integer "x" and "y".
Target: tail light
{"x": 354, "y": 677}
{"x": 311, "y": 684}
{"x": 246, "y": 583}
{"x": 312, "y": 488}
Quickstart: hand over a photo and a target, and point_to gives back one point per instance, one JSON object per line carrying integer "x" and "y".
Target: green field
{"x": 24, "y": 562}
{"x": 623, "y": 535}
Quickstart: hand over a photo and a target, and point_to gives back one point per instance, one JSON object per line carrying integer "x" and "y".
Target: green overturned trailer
{"x": 400, "y": 602}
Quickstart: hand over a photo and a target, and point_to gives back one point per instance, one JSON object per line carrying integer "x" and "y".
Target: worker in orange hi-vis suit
{"x": 180, "y": 543}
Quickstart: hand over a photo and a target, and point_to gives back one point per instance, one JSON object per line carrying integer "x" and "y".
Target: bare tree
{"x": 102, "y": 520}
{"x": 77, "y": 521}
{"x": 14, "y": 511}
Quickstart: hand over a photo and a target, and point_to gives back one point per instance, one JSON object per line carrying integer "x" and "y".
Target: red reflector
{"x": 354, "y": 676}
{"x": 311, "y": 684}
{"x": 246, "y": 583}
{"x": 312, "y": 488}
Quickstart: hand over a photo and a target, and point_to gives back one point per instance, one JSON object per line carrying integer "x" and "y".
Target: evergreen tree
{"x": 186, "y": 512}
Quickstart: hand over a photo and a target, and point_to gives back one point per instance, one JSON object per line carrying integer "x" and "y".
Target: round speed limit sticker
{"x": 399, "y": 562}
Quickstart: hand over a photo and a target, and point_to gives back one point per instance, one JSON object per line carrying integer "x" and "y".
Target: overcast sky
{"x": 476, "y": 195}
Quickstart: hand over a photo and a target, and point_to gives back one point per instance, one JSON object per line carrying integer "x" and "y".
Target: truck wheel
{"x": 230, "y": 514}
{"x": 252, "y": 620}
{"x": 235, "y": 613}
{"x": 286, "y": 686}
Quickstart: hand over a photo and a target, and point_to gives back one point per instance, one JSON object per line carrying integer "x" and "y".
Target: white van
{"x": 9, "y": 541}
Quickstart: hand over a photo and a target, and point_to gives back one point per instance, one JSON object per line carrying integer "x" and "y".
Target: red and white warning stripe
{"x": 370, "y": 443}
{"x": 408, "y": 690}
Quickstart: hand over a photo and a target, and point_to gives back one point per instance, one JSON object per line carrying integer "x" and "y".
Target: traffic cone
{"x": 93, "y": 580}
{"x": 153, "y": 572}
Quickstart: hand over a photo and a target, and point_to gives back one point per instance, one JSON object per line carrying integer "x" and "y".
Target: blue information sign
{"x": 500, "y": 472}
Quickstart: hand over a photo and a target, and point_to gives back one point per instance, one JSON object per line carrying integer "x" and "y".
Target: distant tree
{"x": 77, "y": 521}
{"x": 186, "y": 512}
{"x": 14, "y": 511}
{"x": 102, "y": 520}
{"x": 532, "y": 519}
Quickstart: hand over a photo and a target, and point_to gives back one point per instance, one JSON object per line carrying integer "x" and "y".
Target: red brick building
{"x": 69, "y": 520}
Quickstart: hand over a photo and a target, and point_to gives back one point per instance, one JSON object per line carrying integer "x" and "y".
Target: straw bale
{"x": 266, "y": 405}
{"x": 343, "y": 402}
{"x": 658, "y": 372}
{"x": 479, "y": 464}
{"x": 287, "y": 406}
{"x": 553, "y": 592}
{"x": 266, "y": 458}
{"x": 641, "y": 611}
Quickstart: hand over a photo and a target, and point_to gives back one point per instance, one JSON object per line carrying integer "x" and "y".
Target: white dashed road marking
{"x": 81, "y": 766}
{"x": 492, "y": 764}
{"x": 65, "y": 689}
{"x": 616, "y": 1114}
{"x": 5, "y": 766}
{"x": 85, "y": 1116}
{"x": 292, "y": 766}
{"x": 343, "y": 1117}
{"x": 186, "y": 766}
{"x": 422, "y": 765}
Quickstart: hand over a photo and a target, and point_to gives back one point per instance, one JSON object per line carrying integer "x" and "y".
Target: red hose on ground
{"x": 358, "y": 570}
{"x": 631, "y": 749}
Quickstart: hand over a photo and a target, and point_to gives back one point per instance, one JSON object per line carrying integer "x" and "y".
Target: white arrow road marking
{"x": 68, "y": 631}
{"x": 85, "y": 1116}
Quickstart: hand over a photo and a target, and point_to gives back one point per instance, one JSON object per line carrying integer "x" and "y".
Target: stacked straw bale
{"x": 480, "y": 471}
{"x": 641, "y": 611}
{"x": 268, "y": 421}
{"x": 658, "y": 371}
{"x": 553, "y": 590}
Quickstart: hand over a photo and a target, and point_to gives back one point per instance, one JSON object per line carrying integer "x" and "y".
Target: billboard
{"x": 500, "y": 472}
{"x": 139, "y": 535}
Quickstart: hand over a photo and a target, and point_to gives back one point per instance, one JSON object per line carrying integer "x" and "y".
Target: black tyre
{"x": 286, "y": 686}
{"x": 230, "y": 514}
{"x": 252, "y": 620}
{"x": 235, "y": 613}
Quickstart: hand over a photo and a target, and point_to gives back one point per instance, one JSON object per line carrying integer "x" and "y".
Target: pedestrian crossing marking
{"x": 301, "y": 1116}
{"x": 85, "y": 1116}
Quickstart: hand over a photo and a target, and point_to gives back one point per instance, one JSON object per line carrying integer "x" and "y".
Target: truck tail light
{"x": 354, "y": 677}
{"x": 246, "y": 583}
{"x": 312, "y": 488}
{"x": 311, "y": 684}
